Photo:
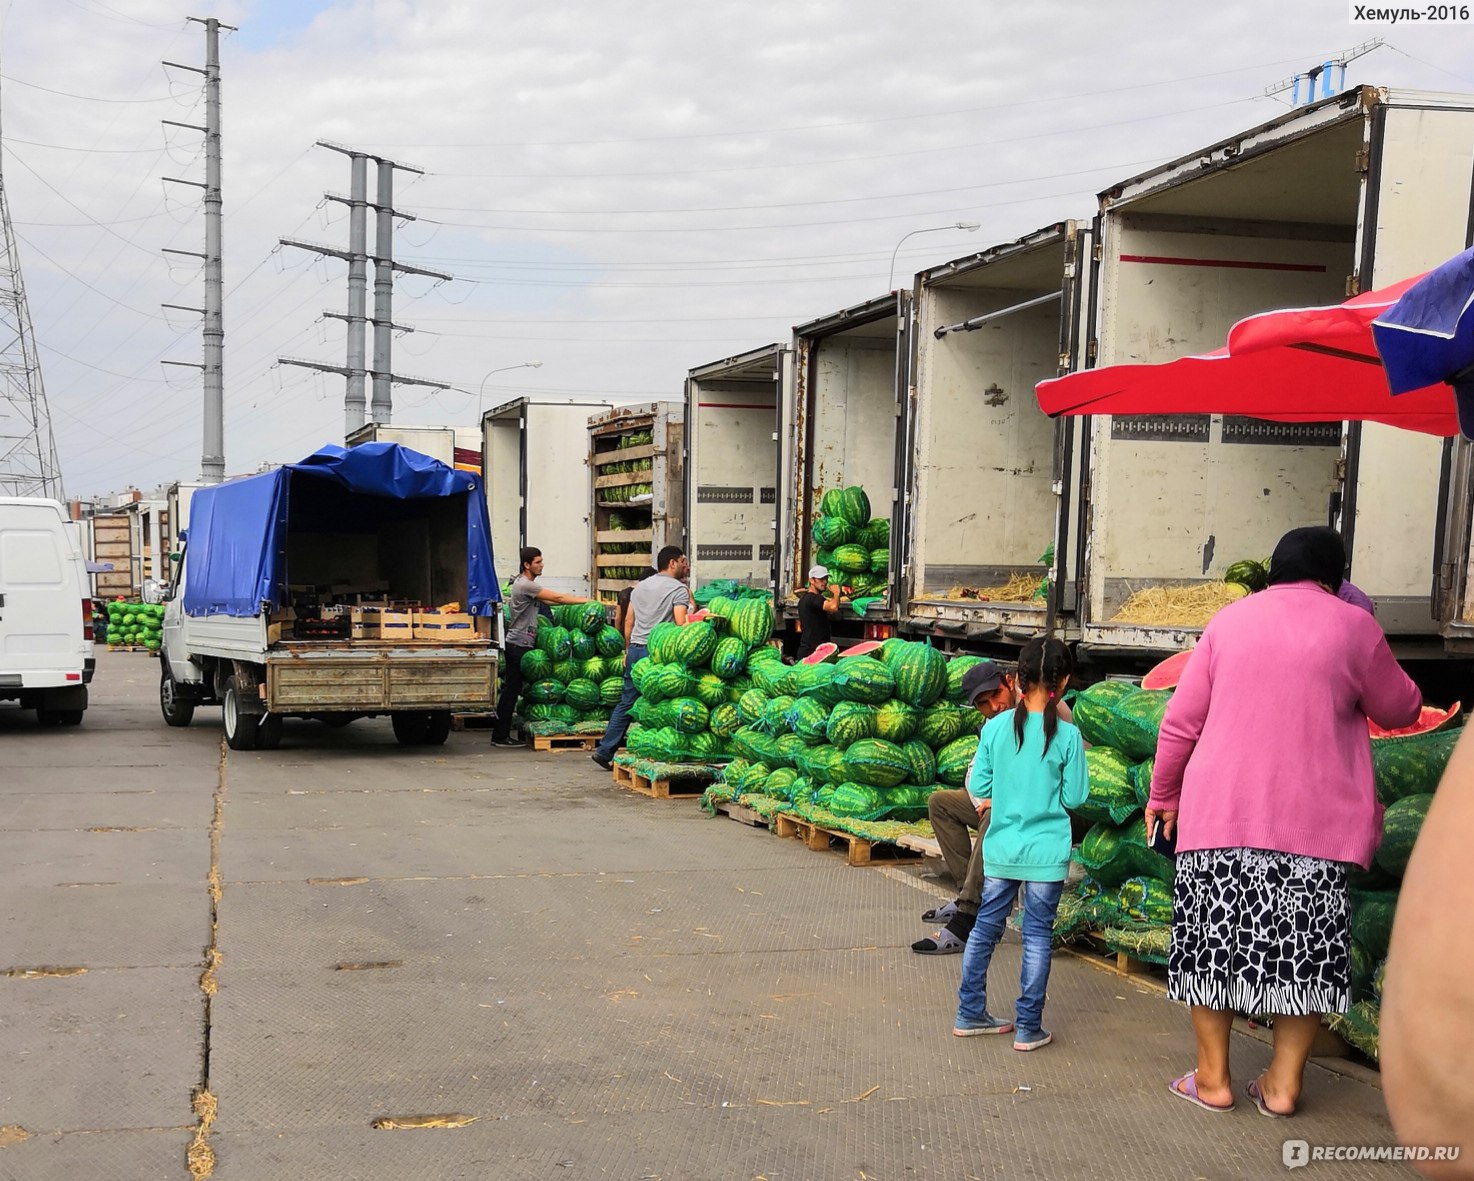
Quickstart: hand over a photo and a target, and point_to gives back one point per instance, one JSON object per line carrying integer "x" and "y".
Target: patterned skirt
{"x": 1260, "y": 932}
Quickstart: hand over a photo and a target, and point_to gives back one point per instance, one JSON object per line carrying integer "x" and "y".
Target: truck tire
{"x": 59, "y": 717}
{"x": 411, "y": 728}
{"x": 268, "y": 732}
{"x": 240, "y": 727}
{"x": 437, "y": 728}
{"x": 176, "y": 709}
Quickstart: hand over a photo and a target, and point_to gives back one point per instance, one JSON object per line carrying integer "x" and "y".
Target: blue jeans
{"x": 619, "y": 721}
{"x": 1041, "y": 901}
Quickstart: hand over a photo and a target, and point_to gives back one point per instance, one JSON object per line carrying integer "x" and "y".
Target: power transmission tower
{"x": 355, "y": 369}
{"x": 28, "y": 463}
{"x": 212, "y": 458}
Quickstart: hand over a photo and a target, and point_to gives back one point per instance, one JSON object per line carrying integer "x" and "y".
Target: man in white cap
{"x": 954, "y": 814}
{"x": 815, "y": 607}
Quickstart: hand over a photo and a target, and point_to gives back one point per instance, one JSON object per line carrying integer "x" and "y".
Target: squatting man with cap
{"x": 815, "y": 607}
{"x": 954, "y": 815}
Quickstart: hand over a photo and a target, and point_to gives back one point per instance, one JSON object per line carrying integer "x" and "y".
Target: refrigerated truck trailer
{"x": 1350, "y": 193}
{"x": 534, "y": 468}
{"x": 847, "y": 428}
{"x": 735, "y": 411}
{"x": 993, "y": 484}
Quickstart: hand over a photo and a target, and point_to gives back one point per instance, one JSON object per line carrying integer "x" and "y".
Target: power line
{"x": 174, "y": 98}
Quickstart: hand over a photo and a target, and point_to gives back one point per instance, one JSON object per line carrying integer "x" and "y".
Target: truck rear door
{"x": 41, "y": 599}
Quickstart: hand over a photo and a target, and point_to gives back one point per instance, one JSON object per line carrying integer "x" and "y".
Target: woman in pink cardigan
{"x": 1264, "y": 775}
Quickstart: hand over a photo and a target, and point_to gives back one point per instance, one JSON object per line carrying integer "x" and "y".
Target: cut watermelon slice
{"x": 821, "y": 655}
{"x": 698, "y": 616}
{"x": 864, "y": 648}
{"x": 1430, "y": 720}
{"x": 1168, "y": 673}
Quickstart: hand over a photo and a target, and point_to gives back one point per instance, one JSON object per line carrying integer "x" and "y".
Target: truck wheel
{"x": 240, "y": 727}
{"x": 268, "y": 732}
{"x": 437, "y": 727}
{"x": 176, "y": 710}
{"x": 411, "y": 729}
{"x": 47, "y": 717}
{"x": 69, "y": 717}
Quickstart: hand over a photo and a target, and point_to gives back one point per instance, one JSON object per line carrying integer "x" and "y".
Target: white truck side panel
{"x": 1167, "y": 510}
{"x": 42, "y": 588}
{"x": 984, "y": 503}
{"x": 501, "y": 480}
{"x": 734, "y": 473}
{"x": 558, "y": 495}
{"x": 1422, "y": 217}
{"x": 438, "y": 442}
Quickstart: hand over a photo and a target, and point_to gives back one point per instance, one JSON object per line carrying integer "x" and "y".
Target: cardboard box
{"x": 445, "y": 627}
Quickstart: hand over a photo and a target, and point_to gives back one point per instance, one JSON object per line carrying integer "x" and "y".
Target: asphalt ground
{"x": 575, "y": 980}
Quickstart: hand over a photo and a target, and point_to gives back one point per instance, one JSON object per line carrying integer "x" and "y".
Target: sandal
{"x": 1256, "y": 1093}
{"x": 944, "y": 942}
{"x": 939, "y": 914}
{"x": 1186, "y": 1087}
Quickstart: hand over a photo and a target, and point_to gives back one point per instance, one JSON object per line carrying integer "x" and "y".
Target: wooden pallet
{"x": 684, "y": 787}
{"x": 926, "y": 846}
{"x": 742, "y": 815}
{"x": 1125, "y": 964}
{"x": 860, "y": 850}
{"x": 472, "y": 721}
{"x": 551, "y": 742}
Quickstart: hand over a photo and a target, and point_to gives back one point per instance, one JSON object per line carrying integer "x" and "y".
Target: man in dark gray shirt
{"x": 659, "y": 599}
{"x": 524, "y": 599}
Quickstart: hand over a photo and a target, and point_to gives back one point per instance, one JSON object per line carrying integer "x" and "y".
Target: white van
{"x": 46, "y": 659}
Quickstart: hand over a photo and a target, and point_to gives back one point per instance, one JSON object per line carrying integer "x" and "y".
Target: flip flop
{"x": 1256, "y": 1093}
{"x": 944, "y": 942}
{"x": 1186, "y": 1087}
{"x": 939, "y": 914}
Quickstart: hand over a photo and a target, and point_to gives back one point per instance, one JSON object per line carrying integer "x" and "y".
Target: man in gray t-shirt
{"x": 661, "y": 598}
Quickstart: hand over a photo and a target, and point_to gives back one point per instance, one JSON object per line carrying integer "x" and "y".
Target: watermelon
{"x": 859, "y": 678}
{"x": 536, "y": 665}
{"x": 823, "y": 764}
{"x": 849, "y": 722}
{"x": 832, "y": 531}
{"x": 556, "y": 641}
{"x": 1113, "y": 853}
{"x": 1141, "y": 779}
{"x": 895, "y": 721}
{"x": 724, "y": 720}
{"x": 821, "y": 686}
{"x": 1400, "y": 827}
{"x": 667, "y": 681}
{"x": 829, "y": 502}
{"x": 957, "y": 668}
{"x": 582, "y": 694}
{"x": 755, "y": 747}
{"x": 567, "y": 670}
{"x": 751, "y": 706}
{"x": 694, "y": 643}
{"x": 797, "y": 679}
{"x": 920, "y": 674}
{"x": 583, "y": 645}
{"x": 640, "y": 671}
{"x": 1412, "y": 764}
{"x": 876, "y": 762}
{"x": 594, "y": 669}
{"x": 823, "y": 654}
{"x": 808, "y": 719}
{"x": 853, "y": 506}
{"x": 610, "y": 690}
{"x": 709, "y": 689}
{"x": 1147, "y": 900}
{"x": 824, "y": 557}
{"x": 940, "y": 725}
{"x": 791, "y": 747}
{"x": 1371, "y": 919}
{"x": 767, "y": 675}
{"x": 755, "y": 779}
{"x": 1166, "y": 674}
{"x": 663, "y": 644}
{"x": 880, "y": 561}
{"x": 876, "y": 534}
{"x": 775, "y": 716}
{"x": 852, "y": 559}
{"x": 955, "y": 760}
{"x": 1430, "y": 720}
{"x": 751, "y": 621}
{"x": 688, "y": 715}
{"x": 732, "y": 773}
{"x": 856, "y": 799}
{"x": 544, "y": 712}
{"x": 1138, "y": 718}
{"x": 923, "y": 762}
{"x": 729, "y": 658}
{"x": 546, "y": 692}
{"x": 609, "y": 642}
{"x": 1094, "y": 711}
{"x": 1112, "y": 798}
{"x": 780, "y": 783}
{"x": 764, "y": 653}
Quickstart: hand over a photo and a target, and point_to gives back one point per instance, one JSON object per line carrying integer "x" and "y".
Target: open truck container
{"x": 993, "y": 484}
{"x": 534, "y": 454}
{"x": 1349, "y": 193}
{"x": 637, "y": 464}
{"x": 847, "y": 429}
{"x": 734, "y": 420}
{"x": 455, "y": 446}
{"x": 302, "y": 592}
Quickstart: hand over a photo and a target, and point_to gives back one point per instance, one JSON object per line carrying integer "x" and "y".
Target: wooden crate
{"x": 444, "y": 627}
{"x": 684, "y": 787}
{"x": 380, "y": 623}
{"x": 859, "y": 850}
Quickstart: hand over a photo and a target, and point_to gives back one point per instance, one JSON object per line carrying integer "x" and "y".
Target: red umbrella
{"x": 1291, "y": 365}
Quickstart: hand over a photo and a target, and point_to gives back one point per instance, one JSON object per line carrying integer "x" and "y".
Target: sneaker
{"x": 966, "y": 1027}
{"x": 1033, "y": 1041}
{"x": 506, "y": 742}
{"x": 607, "y": 764}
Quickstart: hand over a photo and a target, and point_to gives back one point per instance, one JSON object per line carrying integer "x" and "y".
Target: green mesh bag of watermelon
{"x": 1141, "y": 780}
{"x": 536, "y": 665}
{"x": 895, "y": 721}
{"x": 1138, "y": 720}
{"x": 710, "y": 689}
{"x": 942, "y": 724}
{"x": 809, "y": 720}
{"x": 663, "y": 643}
{"x": 1112, "y": 798}
{"x": 1401, "y": 824}
{"x": 876, "y": 763}
{"x": 609, "y": 642}
{"x": 864, "y": 679}
{"x": 1146, "y": 900}
{"x": 858, "y": 801}
{"x": 751, "y": 706}
{"x": 584, "y": 647}
{"x": 639, "y": 671}
{"x": 688, "y": 715}
{"x": 822, "y": 764}
{"x": 1113, "y": 853}
{"x": 849, "y": 721}
{"x": 1371, "y": 919}
{"x": 1094, "y": 711}
{"x": 724, "y": 720}
{"x": 729, "y": 658}
{"x": 731, "y": 773}
{"x": 1412, "y": 764}
{"x": 775, "y": 716}
{"x": 780, "y": 784}
{"x": 767, "y": 675}
{"x": 955, "y": 760}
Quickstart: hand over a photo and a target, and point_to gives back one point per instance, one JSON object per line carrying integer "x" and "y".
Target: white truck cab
{"x": 46, "y": 652}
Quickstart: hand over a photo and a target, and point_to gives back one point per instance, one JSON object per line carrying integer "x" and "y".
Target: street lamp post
{"x": 481, "y": 391}
{"x": 969, "y": 226}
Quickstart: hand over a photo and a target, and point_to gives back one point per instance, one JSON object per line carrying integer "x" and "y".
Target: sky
{"x": 623, "y": 191}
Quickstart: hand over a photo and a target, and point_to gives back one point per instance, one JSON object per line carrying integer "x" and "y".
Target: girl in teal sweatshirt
{"x": 1030, "y": 768}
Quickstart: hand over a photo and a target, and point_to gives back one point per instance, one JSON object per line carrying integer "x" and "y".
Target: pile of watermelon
{"x": 138, "y": 624}
{"x": 574, "y": 675}
{"x": 868, "y": 736}
{"x": 855, "y": 547}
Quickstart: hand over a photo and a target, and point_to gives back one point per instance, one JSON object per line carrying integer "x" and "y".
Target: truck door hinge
{"x": 1363, "y": 159}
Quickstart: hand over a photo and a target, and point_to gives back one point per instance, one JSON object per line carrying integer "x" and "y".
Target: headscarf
{"x": 1313, "y": 553}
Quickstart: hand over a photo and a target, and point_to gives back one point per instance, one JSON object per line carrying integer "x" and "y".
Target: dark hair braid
{"x": 1044, "y": 661}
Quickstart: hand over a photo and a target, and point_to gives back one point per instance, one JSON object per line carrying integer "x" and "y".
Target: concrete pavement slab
{"x": 169, "y": 856}
{"x": 127, "y": 1155}
{"x": 133, "y": 808}
{"x": 106, "y": 924}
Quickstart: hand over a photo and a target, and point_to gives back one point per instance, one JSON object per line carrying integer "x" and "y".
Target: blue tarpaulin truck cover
{"x": 238, "y": 530}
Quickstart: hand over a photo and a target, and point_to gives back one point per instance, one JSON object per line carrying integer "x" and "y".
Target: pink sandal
{"x": 1186, "y": 1087}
